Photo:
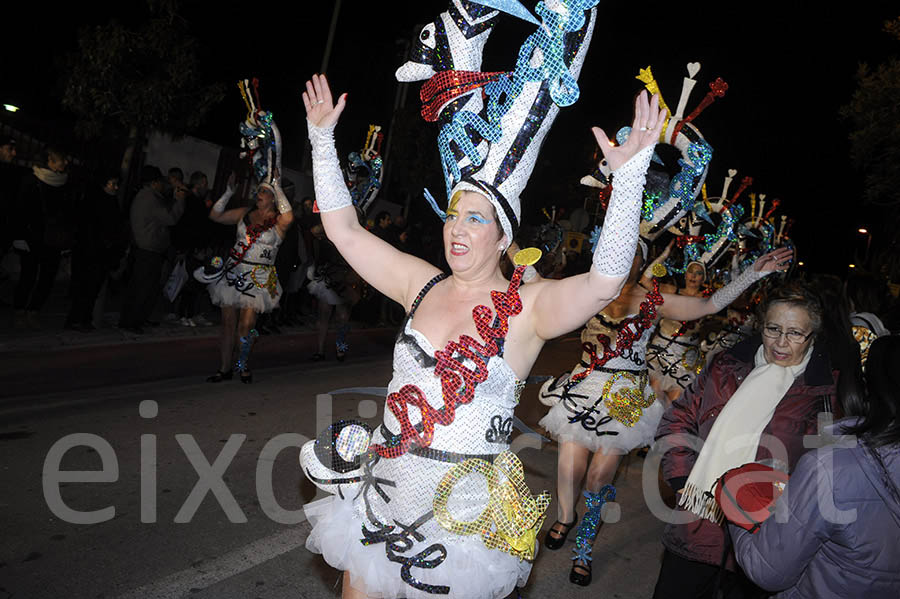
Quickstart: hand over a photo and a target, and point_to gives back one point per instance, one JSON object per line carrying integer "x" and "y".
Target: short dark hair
{"x": 49, "y": 150}
{"x": 150, "y": 174}
{"x": 197, "y": 176}
{"x": 797, "y": 294}
{"x": 177, "y": 172}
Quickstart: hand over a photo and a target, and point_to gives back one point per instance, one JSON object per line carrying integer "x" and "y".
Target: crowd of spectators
{"x": 125, "y": 245}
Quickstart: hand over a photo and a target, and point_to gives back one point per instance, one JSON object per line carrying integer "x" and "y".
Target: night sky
{"x": 789, "y": 66}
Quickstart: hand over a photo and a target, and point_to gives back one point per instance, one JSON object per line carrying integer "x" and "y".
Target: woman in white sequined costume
{"x": 395, "y": 524}
{"x": 605, "y": 405}
{"x": 246, "y": 283}
{"x": 673, "y": 355}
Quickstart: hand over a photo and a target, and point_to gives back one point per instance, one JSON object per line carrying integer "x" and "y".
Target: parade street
{"x": 198, "y": 488}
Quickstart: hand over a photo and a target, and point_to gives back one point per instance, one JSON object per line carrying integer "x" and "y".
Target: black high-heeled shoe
{"x": 583, "y": 577}
{"x": 220, "y": 376}
{"x": 561, "y": 530}
{"x": 246, "y": 377}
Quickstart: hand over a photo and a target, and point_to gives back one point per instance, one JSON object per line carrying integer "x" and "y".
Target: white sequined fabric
{"x": 252, "y": 282}
{"x": 618, "y": 239}
{"x": 581, "y": 415}
{"x": 395, "y": 501}
{"x": 734, "y": 289}
{"x": 673, "y": 355}
{"x": 328, "y": 180}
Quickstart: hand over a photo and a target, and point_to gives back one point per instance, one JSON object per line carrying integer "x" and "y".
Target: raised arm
{"x": 285, "y": 212}
{"x": 227, "y": 217}
{"x": 394, "y": 273}
{"x": 564, "y": 305}
{"x": 649, "y": 273}
{"x": 683, "y": 307}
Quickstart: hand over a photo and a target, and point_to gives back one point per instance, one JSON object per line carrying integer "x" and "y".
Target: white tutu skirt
{"x": 471, "y": 570}
{"x": 244, "y": 286}
{"x": 578, "y": 417}
{"x": 321, "y": 291}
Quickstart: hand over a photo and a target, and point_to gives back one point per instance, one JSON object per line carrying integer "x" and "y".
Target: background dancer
{"x": 605, "y": 405}
{"x": 246, "y": 285}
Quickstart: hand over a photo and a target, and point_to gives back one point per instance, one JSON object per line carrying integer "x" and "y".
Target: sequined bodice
{"x": 263, "y": 250}
{"x": 633, "y": 358}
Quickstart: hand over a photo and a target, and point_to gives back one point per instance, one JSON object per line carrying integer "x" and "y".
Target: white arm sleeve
{"x": 735, "y": 288}
{"x": 281, "y": 200}
{"x": 219, "y": 206}
{"x": 618, "y": 239}
{"x": 331, "y": 190}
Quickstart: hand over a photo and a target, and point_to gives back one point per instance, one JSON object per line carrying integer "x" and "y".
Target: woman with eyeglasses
{"x": 755, "y": 402}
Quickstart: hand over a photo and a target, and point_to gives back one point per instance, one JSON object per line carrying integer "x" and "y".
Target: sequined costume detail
{"x": 247, "y": 278}
{"x": 435, "y": 504}
{"x": 605, "y": 403}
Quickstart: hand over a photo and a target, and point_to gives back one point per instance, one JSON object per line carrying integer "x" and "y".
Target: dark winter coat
{"x": 818, "y": 553}
{"x": 695, "y": 412}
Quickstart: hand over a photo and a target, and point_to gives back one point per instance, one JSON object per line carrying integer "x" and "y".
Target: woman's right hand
{"x": 320, "y": 108}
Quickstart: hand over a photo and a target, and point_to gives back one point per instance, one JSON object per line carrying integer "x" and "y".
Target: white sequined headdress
{"x": 666, "y": 202}
{"x": 489, "y": 146}
{"x": 260, "y": 138}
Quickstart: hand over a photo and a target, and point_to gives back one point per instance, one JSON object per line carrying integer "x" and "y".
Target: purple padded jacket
{"x": 812, "y": 550}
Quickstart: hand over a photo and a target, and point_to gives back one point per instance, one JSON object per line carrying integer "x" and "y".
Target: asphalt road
{"x": 162, "y": 438}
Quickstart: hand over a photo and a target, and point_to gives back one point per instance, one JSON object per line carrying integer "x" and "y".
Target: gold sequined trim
{"x": 628, "y": 404}
{"x": 512, "y": 518}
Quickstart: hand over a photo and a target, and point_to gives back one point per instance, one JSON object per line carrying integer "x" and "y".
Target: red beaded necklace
{"x": 625, "y": 337}
{"x": 253, "y": 233}
{"x": 457, "y": 381}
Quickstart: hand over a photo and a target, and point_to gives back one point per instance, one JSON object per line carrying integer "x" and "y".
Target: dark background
{"x": 789, "y": 66}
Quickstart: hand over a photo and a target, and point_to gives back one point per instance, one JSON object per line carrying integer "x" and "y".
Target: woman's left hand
{"x": 321, "y": 110}
{"x": 648, "y": 120}
{"x": 777, "y": 260}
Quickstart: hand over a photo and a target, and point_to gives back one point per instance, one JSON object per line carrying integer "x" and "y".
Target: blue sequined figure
{"x": 587, "y": 532}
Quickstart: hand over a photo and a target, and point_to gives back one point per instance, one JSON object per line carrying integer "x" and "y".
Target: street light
{"x": 11, "y": 108}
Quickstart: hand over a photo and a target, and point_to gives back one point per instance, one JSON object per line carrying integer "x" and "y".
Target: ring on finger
{"x": 319, "y": 102}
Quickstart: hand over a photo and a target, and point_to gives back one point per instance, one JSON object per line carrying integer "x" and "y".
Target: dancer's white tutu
{"x": 250, "y": 282}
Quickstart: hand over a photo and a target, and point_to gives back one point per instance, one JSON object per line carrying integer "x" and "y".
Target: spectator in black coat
{"x": 43, "y": 226}
{"x": 100, "y": 242}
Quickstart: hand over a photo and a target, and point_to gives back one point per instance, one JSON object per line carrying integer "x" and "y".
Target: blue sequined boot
{"x": 244, "y": 354}
{"x": 587, "y": 532}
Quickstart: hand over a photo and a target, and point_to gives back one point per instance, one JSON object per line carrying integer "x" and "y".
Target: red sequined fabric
{"x": 630, "y": 330}
{"x": 253, "y": 233}
{"x": 444, "y": 86}
{"x": 457, "y": 381}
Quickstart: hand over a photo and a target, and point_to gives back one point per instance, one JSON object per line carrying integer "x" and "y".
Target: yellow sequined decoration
{"x": 646, "y": 77}
{"x": 512, "y": 518}
{"x": 628, "y": 404}
{"x": 697, "y": 365}
{"x": 527, "y": 257}
{"x": 660, "y": 270}
{"x": 271, "y": 284}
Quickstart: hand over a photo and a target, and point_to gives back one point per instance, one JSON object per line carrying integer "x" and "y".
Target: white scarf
{"x": 51, "y": 178}
{"x": 734, "y": 438}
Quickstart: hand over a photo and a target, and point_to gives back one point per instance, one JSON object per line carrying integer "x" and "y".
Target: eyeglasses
{"x": 775, "y": 332}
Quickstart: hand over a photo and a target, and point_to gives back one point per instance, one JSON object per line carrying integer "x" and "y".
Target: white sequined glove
{"x": 281, "y": 201}
{"x": 734, "y": 289}
{"x": 219, "y": 206}
{"x": 328, "y": 181}
{"x": 618, "y": 239}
